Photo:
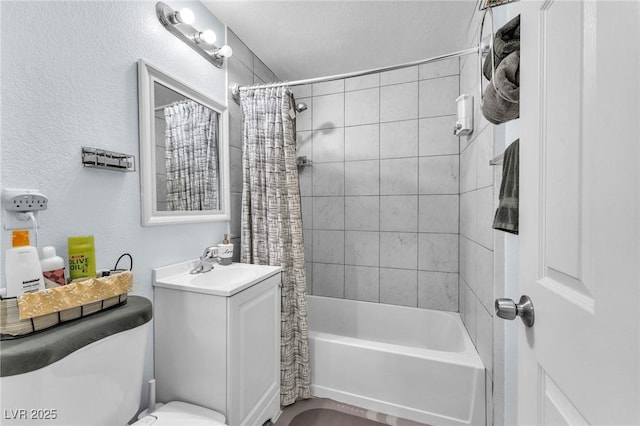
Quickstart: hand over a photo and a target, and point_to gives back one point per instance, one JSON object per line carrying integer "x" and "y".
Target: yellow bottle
{"x": 82, "y": 257}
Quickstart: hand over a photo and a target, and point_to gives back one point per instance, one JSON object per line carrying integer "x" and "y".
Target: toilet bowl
{"x": 87, "y": 371}
{"x": 178, "y": 413}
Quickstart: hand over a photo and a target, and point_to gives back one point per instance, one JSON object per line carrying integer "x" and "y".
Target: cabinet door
{"x": 254, "y": 353}
{"x": 190, "y": 348}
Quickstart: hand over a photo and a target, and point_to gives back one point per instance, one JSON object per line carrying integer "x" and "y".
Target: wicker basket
{"x": 37, "y": 311}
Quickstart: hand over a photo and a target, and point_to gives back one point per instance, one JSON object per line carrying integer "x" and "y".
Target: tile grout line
{"x": 313, "y": 290}
{"x": 418, "y": 196}
{"x": 379, "y": 190}
{"x": 344, "y": 189}
{"x": 459, "y": 196}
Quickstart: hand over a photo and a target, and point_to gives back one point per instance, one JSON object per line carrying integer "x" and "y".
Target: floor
{"x": 324, "y": 412}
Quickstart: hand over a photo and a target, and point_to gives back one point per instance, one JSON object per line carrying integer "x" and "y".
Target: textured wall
{"x": 69, "y": 79}
{"x": 380, "y": 202}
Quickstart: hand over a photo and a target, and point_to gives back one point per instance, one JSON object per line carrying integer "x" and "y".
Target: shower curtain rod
{"x": 236, "y": 88}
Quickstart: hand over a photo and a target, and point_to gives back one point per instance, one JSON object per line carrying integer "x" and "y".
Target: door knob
{"x": 508, "y": 309}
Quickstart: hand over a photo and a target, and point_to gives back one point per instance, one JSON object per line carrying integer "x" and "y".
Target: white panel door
{"x": 580, "y": 213}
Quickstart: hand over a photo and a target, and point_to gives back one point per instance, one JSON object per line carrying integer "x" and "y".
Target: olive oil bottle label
{"x": 78, "y": 264}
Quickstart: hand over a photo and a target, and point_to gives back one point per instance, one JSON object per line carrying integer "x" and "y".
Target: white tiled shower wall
{"x": 380, "y": 202}
{"x": 481, "y": 273}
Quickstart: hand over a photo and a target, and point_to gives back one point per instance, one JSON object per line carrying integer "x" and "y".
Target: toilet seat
{"x": 178, "y": 413}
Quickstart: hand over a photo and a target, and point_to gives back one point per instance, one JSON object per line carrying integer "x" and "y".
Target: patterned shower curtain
{"x": 191, "y": 139}
{"x": 272, "y": 222}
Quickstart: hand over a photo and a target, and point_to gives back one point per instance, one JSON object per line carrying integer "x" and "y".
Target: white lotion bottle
{"x": 225, "y": 251}
{"x": 52, "y": 268}
{"x": 22, "y": 266}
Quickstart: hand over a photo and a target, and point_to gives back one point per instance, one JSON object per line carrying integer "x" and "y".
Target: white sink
{"x": 220, "y": 281}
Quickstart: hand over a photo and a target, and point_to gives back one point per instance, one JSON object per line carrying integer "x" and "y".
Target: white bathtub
{"x": 419, "y": 364}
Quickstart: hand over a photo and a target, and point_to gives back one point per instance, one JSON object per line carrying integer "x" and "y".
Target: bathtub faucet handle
{"x": 508, "y": 309}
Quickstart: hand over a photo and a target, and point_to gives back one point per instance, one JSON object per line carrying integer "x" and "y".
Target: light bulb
{"x": 204, "y": 37}
{"x": 207, "y": 36}
{"x": 185, "y": 16}
{"x": 224, "y": 52}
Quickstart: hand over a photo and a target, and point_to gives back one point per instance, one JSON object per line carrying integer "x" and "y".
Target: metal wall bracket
{"x": 103, "y": 159}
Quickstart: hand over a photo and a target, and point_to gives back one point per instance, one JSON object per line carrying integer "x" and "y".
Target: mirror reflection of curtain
{"x": 191, "y": 157}
{"x": 272, "y": 223}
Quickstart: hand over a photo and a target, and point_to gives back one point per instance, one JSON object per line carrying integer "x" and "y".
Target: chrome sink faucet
{"x": 208, "y": 258}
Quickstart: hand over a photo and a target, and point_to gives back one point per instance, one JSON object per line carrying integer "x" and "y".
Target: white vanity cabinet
{"x": 217, "y": 339}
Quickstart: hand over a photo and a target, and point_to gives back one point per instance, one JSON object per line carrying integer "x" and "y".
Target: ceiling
{"x": 310, "y": 38}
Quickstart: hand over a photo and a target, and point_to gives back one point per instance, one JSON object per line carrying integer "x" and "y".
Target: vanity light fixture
{"x": 179, "y": 23}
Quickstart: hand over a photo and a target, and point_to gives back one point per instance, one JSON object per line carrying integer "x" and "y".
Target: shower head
{"x": 301, "y": 106}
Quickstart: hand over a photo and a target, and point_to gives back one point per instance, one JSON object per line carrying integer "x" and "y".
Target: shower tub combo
{"x": 419, "y": 364}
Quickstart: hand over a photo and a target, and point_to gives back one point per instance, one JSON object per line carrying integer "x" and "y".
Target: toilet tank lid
{"x": 181, "y": 413}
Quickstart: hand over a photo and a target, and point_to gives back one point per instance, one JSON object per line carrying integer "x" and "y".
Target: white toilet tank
{"x": 75, "y": 379}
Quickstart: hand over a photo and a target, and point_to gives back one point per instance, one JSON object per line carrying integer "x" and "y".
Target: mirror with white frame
{"x": 184, "y": 145}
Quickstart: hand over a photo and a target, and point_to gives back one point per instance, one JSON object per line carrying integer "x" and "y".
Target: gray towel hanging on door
{"x": 501, "y": 98}
{"x": 506, "y": 217}
{"x": 506, "y": 41}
